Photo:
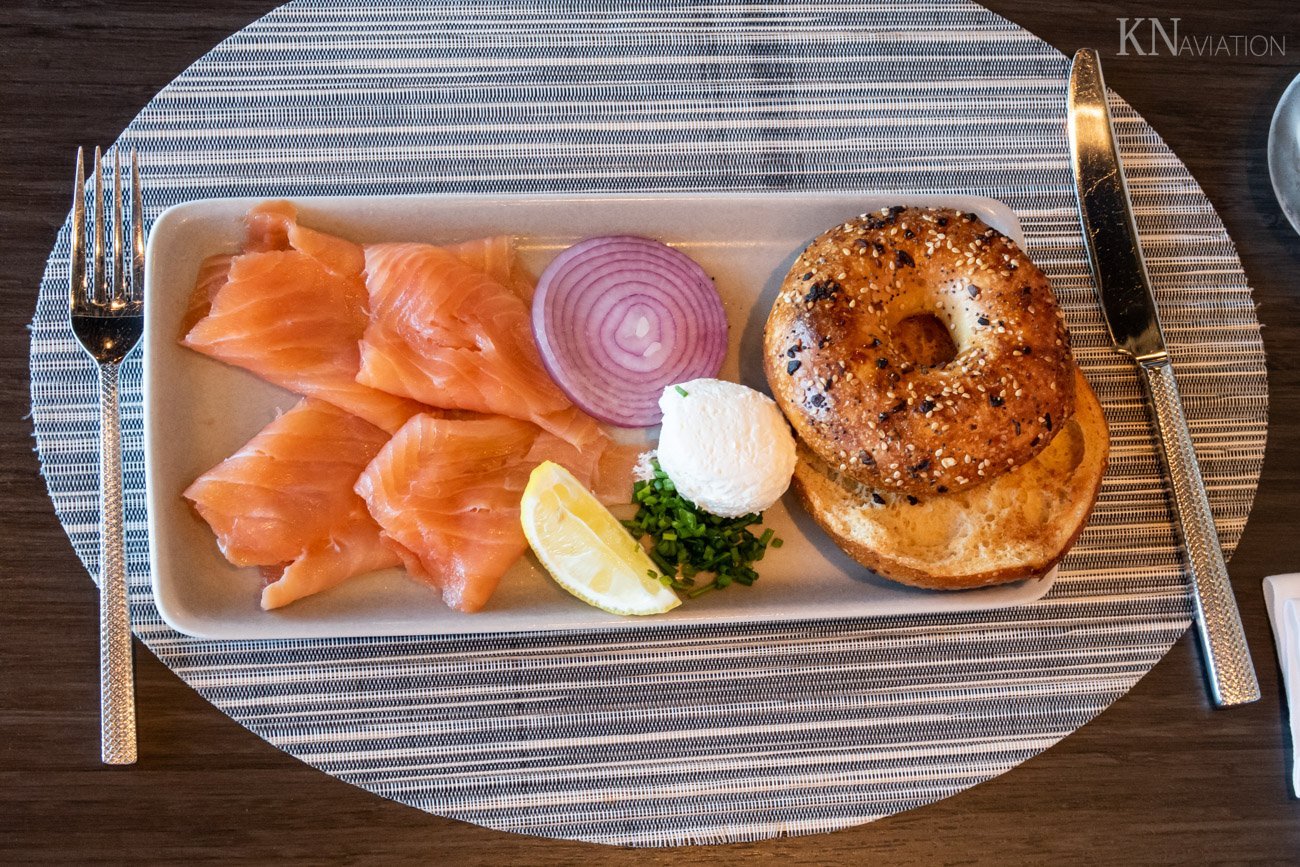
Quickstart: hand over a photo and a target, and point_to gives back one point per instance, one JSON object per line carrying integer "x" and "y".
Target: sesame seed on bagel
{"x": 852, "y": 385}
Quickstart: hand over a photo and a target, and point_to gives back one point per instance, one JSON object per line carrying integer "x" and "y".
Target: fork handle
{"x": 116, "y": 677}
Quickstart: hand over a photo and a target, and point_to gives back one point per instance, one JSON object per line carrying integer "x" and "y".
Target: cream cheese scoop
{"x": 726, "y": 447}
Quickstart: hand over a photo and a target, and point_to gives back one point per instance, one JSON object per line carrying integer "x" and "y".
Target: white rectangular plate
{"x": 199, "y": 411}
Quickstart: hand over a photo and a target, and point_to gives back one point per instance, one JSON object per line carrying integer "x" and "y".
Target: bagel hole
{"x": 924, "y": 340}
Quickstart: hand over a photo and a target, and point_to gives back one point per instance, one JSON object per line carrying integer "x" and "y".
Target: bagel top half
{"x": 838, "y": 364}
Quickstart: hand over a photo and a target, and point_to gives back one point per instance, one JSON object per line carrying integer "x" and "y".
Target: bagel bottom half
{"x": 1014, "y": 527}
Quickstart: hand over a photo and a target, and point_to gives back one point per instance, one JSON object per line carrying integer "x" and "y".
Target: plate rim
{"x": 1272, "y": 148}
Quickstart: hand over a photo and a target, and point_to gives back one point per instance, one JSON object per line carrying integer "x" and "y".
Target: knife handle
{"x": 1227, "y": 657}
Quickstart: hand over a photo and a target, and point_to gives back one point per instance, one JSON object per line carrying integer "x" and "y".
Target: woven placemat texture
{"x": 691, "y": 735}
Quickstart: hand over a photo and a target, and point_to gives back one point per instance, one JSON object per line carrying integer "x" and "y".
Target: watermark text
{"x": 1155, "y": 37}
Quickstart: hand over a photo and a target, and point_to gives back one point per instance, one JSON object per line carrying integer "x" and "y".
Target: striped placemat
{"x": 691, "y": 735}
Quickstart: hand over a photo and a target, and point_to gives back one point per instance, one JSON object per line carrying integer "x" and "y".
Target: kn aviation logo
{"x": 1164, "y": 37}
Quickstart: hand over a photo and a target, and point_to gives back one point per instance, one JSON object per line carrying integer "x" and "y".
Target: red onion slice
{"x": 619, "y": 318}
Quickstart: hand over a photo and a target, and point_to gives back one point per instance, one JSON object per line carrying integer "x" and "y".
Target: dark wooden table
{"x": 1157, "y": 777}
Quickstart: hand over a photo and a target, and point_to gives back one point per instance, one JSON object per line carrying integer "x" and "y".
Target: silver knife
{"x": 1124, "y": 288}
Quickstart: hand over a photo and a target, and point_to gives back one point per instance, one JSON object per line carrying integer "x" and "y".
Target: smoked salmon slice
{"x": 214, "y": 271}
{"x": 497, "y": 258}
{"x": 292, "y": 309}
{"x": 426, "y": 408}
{"x": 445, "y": 332}
{"x": 285, "y": 502}
{"x": 448, "y": 335}
{"x": 447, "y": 492}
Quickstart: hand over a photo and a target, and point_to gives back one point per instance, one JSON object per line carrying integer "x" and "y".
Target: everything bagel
{"x": 839, "y": 366}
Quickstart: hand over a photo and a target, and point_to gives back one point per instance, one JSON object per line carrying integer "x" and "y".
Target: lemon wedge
{"x": 585, "y": 548}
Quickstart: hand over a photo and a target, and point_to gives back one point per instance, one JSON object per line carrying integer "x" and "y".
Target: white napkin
{"x": 1282, "y": 596}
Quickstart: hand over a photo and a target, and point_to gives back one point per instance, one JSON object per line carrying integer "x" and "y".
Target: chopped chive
{"x": 686, "y": 542}
{"x": 681, "y": 391}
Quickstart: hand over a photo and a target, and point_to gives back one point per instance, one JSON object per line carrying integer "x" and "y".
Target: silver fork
{"x": 108, "y": 318}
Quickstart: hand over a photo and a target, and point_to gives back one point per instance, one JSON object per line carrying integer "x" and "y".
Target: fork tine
{"x": 77, "y": 239}
{"x": 98, "y": 292}
{"x": 137, "y": 230}
{"x": 118, "y": 297}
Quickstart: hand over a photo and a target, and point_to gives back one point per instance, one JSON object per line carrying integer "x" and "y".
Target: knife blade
{"x": 1132, "y": 317}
